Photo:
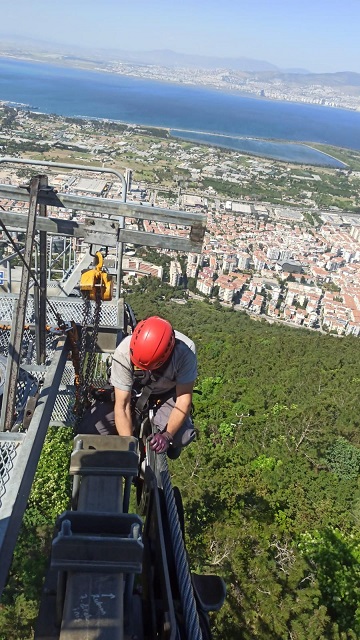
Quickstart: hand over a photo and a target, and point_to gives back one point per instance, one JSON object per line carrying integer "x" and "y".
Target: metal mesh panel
{"x": 74, "y": 309}
{"x": 6, "y": 308}
{"x": 68, "y": 374}
{"x": 4, "y": 341}
{"x": 7, "y": 458}
{"x": 27, "y": 380}
{"x": 68, "y": 310}
{"x": 62, "y": 412}
{"x": 21, "y": 387}
{"x": 28, "y": 349}
{"x": 51, "y": 344}
{"x": 63, "y": 409}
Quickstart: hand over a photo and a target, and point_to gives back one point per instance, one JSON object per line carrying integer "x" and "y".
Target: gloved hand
{"x": 160, "y": 442}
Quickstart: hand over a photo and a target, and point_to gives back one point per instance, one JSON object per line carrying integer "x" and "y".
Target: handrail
{"x": 64, "y": 165}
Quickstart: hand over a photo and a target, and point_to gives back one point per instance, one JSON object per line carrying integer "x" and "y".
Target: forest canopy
{"x": 271, "y": 486}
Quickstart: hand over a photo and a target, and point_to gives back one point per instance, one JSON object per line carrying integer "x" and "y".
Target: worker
{"x": 156, "y": 362}
{"x": 155, "y": 366}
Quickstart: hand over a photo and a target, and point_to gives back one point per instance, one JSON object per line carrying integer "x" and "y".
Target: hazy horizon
{"x": 318, "y": 36}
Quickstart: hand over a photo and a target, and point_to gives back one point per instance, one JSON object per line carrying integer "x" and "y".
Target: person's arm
{"x": 181, "y": 409}
{"x": 122, "y": 410}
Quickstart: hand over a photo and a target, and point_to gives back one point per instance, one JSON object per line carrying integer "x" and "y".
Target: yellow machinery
{"x": 95, "y": 283}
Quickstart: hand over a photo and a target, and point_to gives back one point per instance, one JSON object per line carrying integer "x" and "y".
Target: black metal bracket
{"x": 98, "y": 543}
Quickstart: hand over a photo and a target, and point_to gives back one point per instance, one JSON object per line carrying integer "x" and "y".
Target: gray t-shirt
{"x": 181, "y": 368}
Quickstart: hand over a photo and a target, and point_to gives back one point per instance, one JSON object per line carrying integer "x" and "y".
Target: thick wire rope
{"x": 188, "y": 602}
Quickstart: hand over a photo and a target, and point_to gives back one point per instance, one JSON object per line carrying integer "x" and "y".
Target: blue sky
{"x": 319, "y": 35}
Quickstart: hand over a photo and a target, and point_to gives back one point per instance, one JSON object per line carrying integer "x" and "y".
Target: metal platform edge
{"x": 23, "y": 472}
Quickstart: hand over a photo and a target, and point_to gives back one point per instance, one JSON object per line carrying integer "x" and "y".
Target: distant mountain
{"x": 164, "y": 58}
{"x": 338, "y": 79}
{"x": 345, "y": 78}
{"x": 168, "y": 58}
{"x": 299, "y": 71}
{"x": 73, "y": 54}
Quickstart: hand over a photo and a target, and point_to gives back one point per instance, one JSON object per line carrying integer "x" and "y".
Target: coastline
{"x": 169, "y": 130}
{"x": 91, "y": 67}
{"x": 307, "y": 144}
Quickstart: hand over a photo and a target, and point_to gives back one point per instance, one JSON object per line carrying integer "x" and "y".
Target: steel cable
{"x": 191, "y": 618}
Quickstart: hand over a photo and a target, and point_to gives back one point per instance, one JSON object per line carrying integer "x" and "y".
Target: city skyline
{"x": 317, "y": 36}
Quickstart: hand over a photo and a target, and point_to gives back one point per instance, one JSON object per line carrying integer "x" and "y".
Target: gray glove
{"x": 160, "y": 442}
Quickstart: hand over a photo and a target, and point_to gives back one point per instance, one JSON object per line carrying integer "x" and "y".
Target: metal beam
{"x": 160, "y": 241}
{"x": 105, "y": 206}
{"x": 146, "y": 212}
{"x": 11, "y": 257}
{"x": 119, "y": 251}
{"x": 108, "y": 232}
{"x": 41, "y": 330}
{"x": 64, "y": 227}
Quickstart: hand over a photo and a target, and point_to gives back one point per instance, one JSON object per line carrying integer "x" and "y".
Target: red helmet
{"x": 151, "y": 343}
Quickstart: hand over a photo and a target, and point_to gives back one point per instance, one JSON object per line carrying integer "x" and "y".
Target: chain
{"x": 87, "y": 366}
{"x": 84, "y": 325}
{"x": 91, "y": 361}
{"x": 80, "y": 401}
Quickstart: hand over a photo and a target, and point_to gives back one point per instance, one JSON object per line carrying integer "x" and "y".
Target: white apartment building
{"x": 285, "y": 254}
{"x": 246, "y": 299}
{"x": 205, "y": 286}
{"x": 257, "y": 304}
{"x": 273, "y": 253}
{"x": 353, "y": 328}
{"x": 194, "y": 260}
{"x": 243, "y": 260}
{"x": 349, "y": 256}
{"x": 175, "y": 273}
{"x": 191, "y": 271}
{"x": 259, "y": 259}
{"x": 229, "y": 263}
{"x": 227, "y": 292}
{"x": 355, "y": 232}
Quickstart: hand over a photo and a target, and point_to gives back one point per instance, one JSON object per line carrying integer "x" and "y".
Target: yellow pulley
{"x": 96, "y": 283}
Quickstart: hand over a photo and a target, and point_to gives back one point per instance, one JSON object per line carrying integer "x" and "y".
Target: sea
{"x": 267, "y": 128}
